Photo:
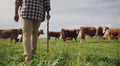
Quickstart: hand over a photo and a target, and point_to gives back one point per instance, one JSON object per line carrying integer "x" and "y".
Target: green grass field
{"x": 93, "y": 52}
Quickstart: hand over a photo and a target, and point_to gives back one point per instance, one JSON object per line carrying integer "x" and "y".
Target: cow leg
{"x": 75, "y": 39}
{"x": 15, "y": 38}
{"x": 64, "y": 39}
{"x": 11, "y": 39}
{"x": 56, "y": 38}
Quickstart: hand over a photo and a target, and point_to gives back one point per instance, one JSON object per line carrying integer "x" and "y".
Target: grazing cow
{"x": 53, "y": 34}
{"x": 10, "y": 33}
{"x": 69, "y": 34}
{"x": 114, "y": 33}
{"x": 90, "y": 31}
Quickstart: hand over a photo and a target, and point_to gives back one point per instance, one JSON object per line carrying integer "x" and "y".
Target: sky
{"x": 70, "y": 14}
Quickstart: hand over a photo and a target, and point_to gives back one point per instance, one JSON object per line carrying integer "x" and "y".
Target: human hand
{"x": 47, "y": 16}
{"x": 16, "y": 17}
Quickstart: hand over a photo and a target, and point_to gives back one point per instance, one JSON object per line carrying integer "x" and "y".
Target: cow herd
{"x": 104, "y": 33}
{"x": 68, "y": 34}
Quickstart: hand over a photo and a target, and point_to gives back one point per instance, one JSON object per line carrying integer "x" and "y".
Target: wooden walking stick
{"x": 47, "y": 36}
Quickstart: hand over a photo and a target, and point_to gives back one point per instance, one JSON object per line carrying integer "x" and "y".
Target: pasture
{"x": 93, "y": 52}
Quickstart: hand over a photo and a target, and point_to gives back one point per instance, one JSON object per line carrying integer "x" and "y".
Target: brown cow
{"x": 53, "y": 34}
{"x": 114, "y": 33}
{"x": 10, "y": 33}
{"x": 90, "y": 31}
{"x": 69, "y": 34}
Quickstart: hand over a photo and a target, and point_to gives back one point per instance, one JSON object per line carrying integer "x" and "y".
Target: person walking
{"x": 32, "y": 12}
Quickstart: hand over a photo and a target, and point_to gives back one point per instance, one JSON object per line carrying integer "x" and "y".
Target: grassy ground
{"x": 93, "y": 52}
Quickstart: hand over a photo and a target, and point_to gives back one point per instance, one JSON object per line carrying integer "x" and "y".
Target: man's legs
{"x": 34, "y": 36}
{"x": 27, "y": 31}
